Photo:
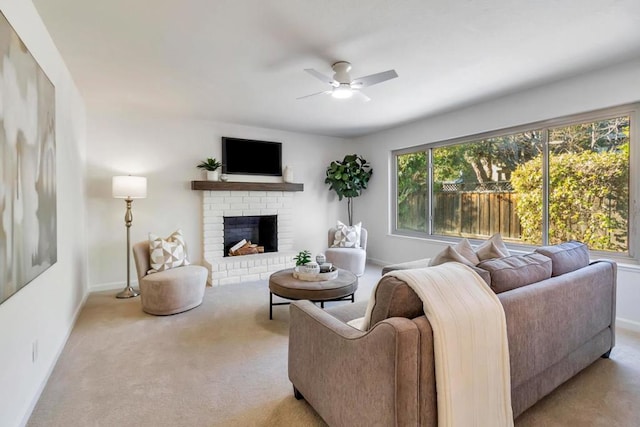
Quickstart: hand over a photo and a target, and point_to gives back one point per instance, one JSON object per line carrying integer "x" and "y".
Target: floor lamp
{"x": 128, "y": 188}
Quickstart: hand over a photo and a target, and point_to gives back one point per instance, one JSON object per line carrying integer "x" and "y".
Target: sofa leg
{"x": 297, "y": 394}
{"x": 606, "y": 355}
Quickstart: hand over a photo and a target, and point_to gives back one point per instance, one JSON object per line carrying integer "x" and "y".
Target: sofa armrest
{"x": 419, "y": 263}
{"x": 614, "y": 291}
{"x": 351, "y": 377}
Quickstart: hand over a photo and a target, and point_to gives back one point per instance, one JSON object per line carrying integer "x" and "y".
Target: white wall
{"x": 45, "y": 309}
{"x": 166, "y": 150}
{"x": 616, "y": 85}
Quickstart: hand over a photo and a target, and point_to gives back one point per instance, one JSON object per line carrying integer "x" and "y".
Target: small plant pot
{"x": 310, "y": 268}
{"x": 332, "y": 274}
{"x": 213, "y": 175}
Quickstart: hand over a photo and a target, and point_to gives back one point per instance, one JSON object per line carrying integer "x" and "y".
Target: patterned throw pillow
{"x": 167, "y": 253}
{"x": 347, "y": 236}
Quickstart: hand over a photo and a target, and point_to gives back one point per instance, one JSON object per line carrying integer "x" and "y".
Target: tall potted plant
{"x": 348, "y": 178}
{"x": 211, "y": 165}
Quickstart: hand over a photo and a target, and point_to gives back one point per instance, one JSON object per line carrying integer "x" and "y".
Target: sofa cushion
{"x": 516, "y": 271}
{"x": 464, "y": 248}
{"x": 493, "y": 247}
{"x": 566, "y": 257}
{"x": 464, "y": 253}
{"x": 449, "y": 254}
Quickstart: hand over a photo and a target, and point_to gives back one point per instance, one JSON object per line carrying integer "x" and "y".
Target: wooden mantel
{"x": 245, "y": 186}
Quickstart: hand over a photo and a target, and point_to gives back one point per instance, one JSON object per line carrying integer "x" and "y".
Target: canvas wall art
{"x": 28, "y": 220}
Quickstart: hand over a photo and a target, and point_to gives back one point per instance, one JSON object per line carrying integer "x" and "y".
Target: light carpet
{"x": 225, "y": 364}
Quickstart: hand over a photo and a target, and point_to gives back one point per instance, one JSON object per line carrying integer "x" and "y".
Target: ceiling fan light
{"x": 342, "y": 92}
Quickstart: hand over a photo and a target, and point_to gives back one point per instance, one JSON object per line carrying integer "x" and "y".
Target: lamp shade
{"x": 129, "y": 187}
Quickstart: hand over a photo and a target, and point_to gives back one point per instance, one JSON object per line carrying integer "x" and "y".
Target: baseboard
{"x": 378, "y": 262}
{"x": 630, "y": 325}
{"x": 43, "y": 384}
{"x": 110, "y": 286}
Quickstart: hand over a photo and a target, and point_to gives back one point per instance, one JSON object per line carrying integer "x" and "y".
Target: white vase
{"x": 213, "y": 175}
{"x": 287, "y": 175}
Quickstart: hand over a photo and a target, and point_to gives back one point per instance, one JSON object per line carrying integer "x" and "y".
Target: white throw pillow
{"x": 347, "y": 236}
{"x": 167, "y": 253}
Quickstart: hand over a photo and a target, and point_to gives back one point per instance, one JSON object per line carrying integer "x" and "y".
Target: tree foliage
{"x": 588, "y": 198}
{"x": 412, "y": 190}
{"x": 602, "y": 136}
{"x": 477, "y": 161}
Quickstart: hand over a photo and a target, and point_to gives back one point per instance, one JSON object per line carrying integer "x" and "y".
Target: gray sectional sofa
{"x": 560, "y": 313}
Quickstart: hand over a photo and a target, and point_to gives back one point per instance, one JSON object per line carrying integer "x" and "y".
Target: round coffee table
{"x": 283, "y": 284}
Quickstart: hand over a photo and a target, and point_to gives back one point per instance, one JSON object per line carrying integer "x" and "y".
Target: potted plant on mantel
{"x": 348, "y": 178}
{"x": 211, "y": 165}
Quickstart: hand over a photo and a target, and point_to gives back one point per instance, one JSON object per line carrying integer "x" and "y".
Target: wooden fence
{"x": 466, "y": 213}
{"x": 476, "y": 214}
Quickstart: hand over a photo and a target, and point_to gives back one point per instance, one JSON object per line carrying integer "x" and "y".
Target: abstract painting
{"x": 28, "y": 220}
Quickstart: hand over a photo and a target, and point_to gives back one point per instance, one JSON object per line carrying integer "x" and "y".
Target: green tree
{"x": 476, "y": 161}
{"x": 588, "y": 198}
{"x": 412, "y": 190}
{"x": 604, "y": 135}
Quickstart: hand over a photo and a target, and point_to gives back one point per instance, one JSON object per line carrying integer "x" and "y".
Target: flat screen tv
{"x": 251, "y": 157}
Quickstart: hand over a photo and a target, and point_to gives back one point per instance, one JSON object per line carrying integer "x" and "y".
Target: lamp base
{"x": 128, "y": 292}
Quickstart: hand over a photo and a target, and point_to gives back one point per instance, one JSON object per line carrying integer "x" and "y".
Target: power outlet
{"x": 34, "y": 351}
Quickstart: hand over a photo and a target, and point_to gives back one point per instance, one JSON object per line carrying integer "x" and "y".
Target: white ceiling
{"x": 242, "y": 61}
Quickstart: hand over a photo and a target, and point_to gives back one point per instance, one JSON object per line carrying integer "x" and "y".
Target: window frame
{"x": 631, "y": 110}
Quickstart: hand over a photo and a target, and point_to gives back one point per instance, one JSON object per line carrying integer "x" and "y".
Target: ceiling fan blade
{"x": 314, "y": 94}
{"x": 318, "y": 75}
{"x": 373, "y": 79}
{"x": 361, "y": 95}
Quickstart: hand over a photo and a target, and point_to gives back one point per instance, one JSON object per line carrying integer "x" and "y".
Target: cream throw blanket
{"x": 469, "y": 343}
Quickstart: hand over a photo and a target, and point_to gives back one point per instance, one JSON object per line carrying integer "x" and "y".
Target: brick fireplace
{"x": 219, "y": 203}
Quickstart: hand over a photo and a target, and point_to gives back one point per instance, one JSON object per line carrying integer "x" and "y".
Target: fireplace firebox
{"x": 261, "y": 229}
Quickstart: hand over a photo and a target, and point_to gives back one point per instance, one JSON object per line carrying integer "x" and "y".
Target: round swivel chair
{"x": 171, "y": 291}
{"x": 351, "y": 259}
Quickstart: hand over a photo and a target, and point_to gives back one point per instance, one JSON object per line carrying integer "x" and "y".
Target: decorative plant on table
{"x": 302, "y": 258}
{"x": 348, "y": 178}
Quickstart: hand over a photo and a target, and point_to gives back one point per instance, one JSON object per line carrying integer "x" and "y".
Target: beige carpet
{"x": 225, "y": 364}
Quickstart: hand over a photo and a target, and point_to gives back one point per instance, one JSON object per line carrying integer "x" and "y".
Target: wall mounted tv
{"x": 251, "y": 157}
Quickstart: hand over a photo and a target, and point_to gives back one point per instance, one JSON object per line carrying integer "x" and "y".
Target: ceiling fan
{"x": 343, "y": 86}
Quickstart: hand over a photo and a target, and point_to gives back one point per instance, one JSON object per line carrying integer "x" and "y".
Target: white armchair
{"x": 351, "y": 259}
